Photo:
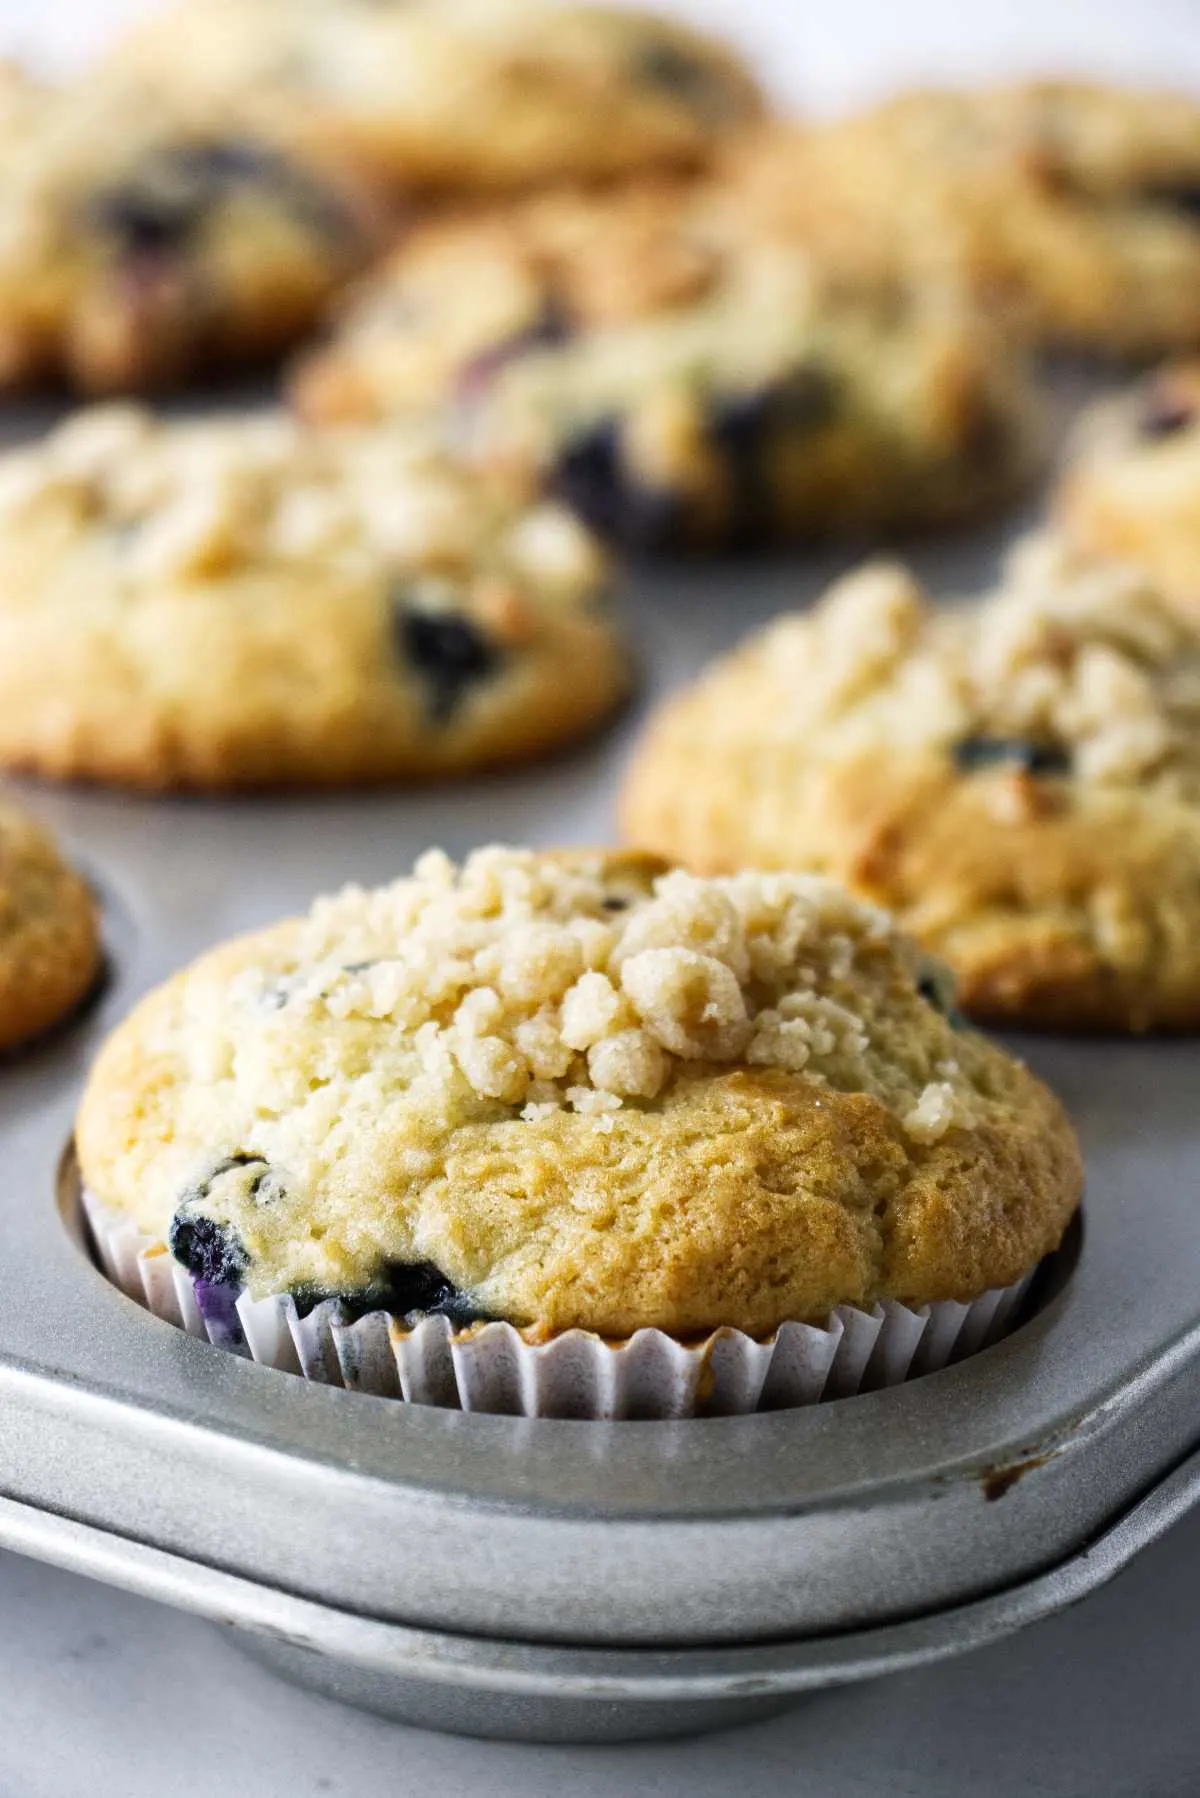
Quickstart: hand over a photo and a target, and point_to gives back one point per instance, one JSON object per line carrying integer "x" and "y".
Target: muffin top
{"x": 239, "y": 601}
{"x": 144, "y": 243}
{"x": 1132, "y": 484}
{"x": 672, "y": 368}
{"x": 472, "y": 94}
{"x": 579, "y": 1089}
{"x": 1019, "y": 779}
{"x": 224, "y": 494}
{"x": 1072, "y": 205}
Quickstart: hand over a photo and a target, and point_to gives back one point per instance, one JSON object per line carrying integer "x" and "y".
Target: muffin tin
{"x": 579, "y": 1580}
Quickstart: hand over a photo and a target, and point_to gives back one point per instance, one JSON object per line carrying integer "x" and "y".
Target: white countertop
{"x": 830, "y": 53}
{"x": 118, "y": 1698}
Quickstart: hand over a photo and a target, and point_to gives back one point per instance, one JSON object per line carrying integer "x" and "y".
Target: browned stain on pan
{"x": 998, "y": 1481}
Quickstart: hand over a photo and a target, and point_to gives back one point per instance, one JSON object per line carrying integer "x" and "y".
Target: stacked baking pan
{"x": 560, "y": 1579}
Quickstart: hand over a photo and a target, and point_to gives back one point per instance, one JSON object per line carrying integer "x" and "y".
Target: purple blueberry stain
{"x": 217, "y": 1304}
{"x": 549, "y": 329}
{"x": 1165, "y": 415}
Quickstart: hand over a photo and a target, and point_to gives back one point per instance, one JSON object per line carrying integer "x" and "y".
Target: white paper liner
{"x": 493, "y": 1368}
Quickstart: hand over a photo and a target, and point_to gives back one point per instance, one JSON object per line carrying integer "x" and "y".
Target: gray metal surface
{"x": 732, "y": 1537}
{"x": 531, "y": 1692}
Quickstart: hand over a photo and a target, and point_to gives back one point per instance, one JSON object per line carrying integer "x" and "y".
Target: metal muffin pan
{"x": 579, "y": 1580}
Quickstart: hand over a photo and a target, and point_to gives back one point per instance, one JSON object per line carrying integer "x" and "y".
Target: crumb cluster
{"x": 580, "y": 982}
{"x": 212, "y": 497}
{"x": 1070, "y": 652}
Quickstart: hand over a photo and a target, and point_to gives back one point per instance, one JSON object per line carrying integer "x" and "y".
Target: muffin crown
{"x": 217, "y": 496}
{"x": 579, "y": 1089}
{"x": 1074, "y": 666}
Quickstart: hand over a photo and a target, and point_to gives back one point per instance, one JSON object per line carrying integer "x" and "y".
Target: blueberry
{"x": 407, "y": 1289}
{"x": 170, "y": 196}
{"x": 162, "y": 203}
{"x": 212, "y": 1251}
{"x": 744, "y": 426}
{"x": 208, "y": 1250}
{"x": 590, "y": 476}
{"x": 448, "y": 650}
{"x": 738, "y": 422}
{"x": 551, "y": 326}
{"x": 972, "y": 754}
{"x": 806, "y": 399}
{"x": 687, "y": 78}
{"x": 936, "y": 987}
{"x": 1180, "y": 196}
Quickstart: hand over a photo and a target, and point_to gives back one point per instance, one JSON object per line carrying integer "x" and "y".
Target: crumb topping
{"x": 542, "y": 983}
{"x": 211, "y": 497}
{"x": 1069, "y": 652}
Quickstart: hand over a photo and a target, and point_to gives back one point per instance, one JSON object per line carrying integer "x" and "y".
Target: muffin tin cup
{"x": 494, "y": 1368}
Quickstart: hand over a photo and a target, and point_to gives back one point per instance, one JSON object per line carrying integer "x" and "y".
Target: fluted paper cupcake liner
{"x": 494, "y": 1367}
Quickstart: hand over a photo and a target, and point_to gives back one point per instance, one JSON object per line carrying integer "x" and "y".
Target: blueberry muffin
{"x": 1019, "y": 780}
{"x": 49, "y": 935}
{"x": 1074, "y": 208}
{"x": 465, "y": 95}
{"x": 678, "y": 377}
{"x": 578, "y": 1091}
{"x": 236, "y": 602}
{"x": 1132, "y": 485}
{"x": 141, "y": 247}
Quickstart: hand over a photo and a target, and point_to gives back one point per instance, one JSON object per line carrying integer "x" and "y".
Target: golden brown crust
{"x": 1069, "y": 206}
{"x": 1062, "y": 891}
{"x": 471, "y": 95}
{"x": 143, "y": 245}
{"x": 233, "y": 603}
{"x": 49, "y": 934}
{"x": 768, "y": 1118}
